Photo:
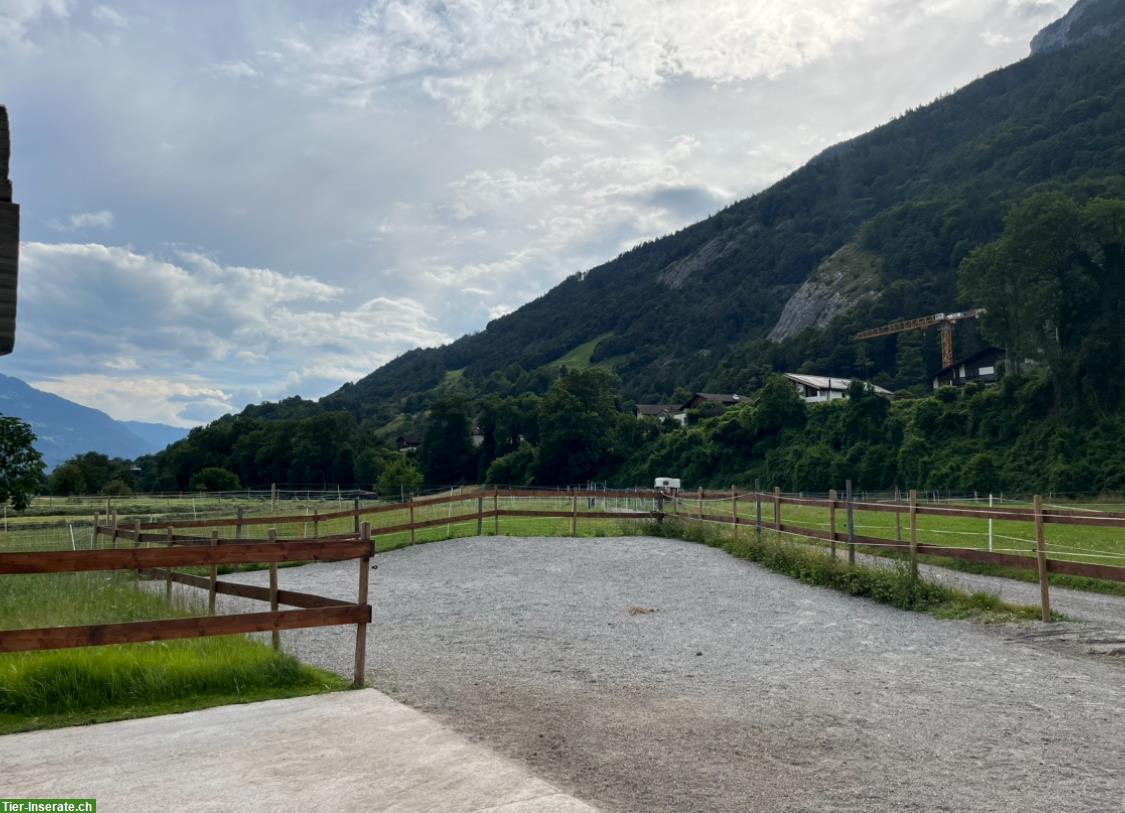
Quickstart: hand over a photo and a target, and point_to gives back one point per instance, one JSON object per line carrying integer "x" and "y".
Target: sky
{"x": 231, "y": 202}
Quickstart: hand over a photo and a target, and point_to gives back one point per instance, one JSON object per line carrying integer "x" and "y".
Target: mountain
{"x": 1087, "y": 20}
{"x": 869, "y": 231}
{"x": 1009, "y": 193}
{"x": 157, "y": 435}
{"x": 65, "y": 429}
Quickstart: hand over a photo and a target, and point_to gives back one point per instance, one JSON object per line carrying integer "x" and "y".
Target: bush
{"x": 115, "y": 488}
{"x": 214, "y": 478}
{"x": 399, "y": 478}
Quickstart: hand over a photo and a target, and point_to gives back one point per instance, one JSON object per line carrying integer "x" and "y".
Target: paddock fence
{"x": 152, "y": 561}
{"x": 1030, "y": 535}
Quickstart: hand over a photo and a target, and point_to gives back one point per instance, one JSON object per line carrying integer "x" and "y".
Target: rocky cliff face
{"x": 9, "y": 243}
{"x": 845, "y": 279}
{"x": 1086, "y": 20}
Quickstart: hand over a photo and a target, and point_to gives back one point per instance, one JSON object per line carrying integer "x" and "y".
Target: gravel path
{"x": 742, "y": 690}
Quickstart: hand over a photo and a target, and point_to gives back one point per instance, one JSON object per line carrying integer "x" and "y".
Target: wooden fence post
{"x": 355, "y": 517}
{"x": 1041, "y": 546}
{"x": 275, "y": 635}
{"x": 660, "y": 507}
{"x": 832, "y": 521}
{"x": 574, "y": 514}
{"x": 734, "y": 512}
{"x": 273, "y": 498}
{"x": 898, "y": 516}
{"x": 480, "y": 515}
{"x": 213, "y": 588}
{"x": 758, "y": 509}
{"x": 316, "y": 523}
{"x": 413, "y": 532}
{"x": 851, "y": 523}
{"x": 361, "y": 599}
{"x": 168, "y": 575}
{"x": 700, "y": 504}
{"x": 238, "y": 524}
{"x": 94, "y": 537}
{"x": 776, "y": 508}
{"x": 496, "y": 511}
{"x": 913, "y": 532}
{"x": 113, "y": 530}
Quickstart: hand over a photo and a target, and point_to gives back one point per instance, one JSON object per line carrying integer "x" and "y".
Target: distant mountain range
{"x": 65, "y": 429}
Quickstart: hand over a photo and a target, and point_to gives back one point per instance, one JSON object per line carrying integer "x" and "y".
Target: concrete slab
{"x": 350, "y": 751}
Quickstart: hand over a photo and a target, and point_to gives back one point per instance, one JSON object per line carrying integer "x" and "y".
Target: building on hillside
{"x": 725, "y": 401}
{"x": 819, "y": 389}
{"x": 719, "y": 402}
{"x": 659, "y": 411}
{"x": 478, "y": 437}
{"x": 407, "y": 443}
{"x": 982, "y": 366}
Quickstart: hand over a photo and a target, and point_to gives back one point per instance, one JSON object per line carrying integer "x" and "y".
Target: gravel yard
{"x": 646, "y": 675}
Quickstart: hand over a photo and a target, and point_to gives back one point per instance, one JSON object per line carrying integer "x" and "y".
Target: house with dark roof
{"x": 982, "y": 366}
{"x": 657, "y": 411}
{"x": 408, "y": 443}
{"x": 701, "y": 398}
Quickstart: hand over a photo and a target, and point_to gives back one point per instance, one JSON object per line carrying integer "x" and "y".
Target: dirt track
{"x": 743, "y": 690}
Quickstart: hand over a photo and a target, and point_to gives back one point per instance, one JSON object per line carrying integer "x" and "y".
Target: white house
{"x": 819, "y": 389}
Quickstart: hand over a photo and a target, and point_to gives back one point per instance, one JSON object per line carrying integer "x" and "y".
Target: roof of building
{"x": 821, "y": 382}
{"x": 718, "y": 397}
{"x": 987, "y": 351}
{"x": 657, "y": 409}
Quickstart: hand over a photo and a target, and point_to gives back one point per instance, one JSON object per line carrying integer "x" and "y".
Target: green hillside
{"x": 1008, "y": 194}
{"x": 689, "y": 310}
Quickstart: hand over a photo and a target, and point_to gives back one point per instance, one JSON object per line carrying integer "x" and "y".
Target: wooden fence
{"x": 156, "y": 549}
{"x": 912, "y": 510}
{"x": 160, "y": 562}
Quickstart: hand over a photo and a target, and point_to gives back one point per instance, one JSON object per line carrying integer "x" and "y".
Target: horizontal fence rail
{"x": 160, "y": 563}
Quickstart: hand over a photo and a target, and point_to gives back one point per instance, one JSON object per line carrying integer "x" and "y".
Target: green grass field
{"x": 77, "y": 686}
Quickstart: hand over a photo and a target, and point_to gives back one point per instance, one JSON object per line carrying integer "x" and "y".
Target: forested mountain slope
{"x": 912, "y": 197}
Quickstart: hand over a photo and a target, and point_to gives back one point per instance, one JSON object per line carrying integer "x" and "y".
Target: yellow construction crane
{"x": 944, "y": 322}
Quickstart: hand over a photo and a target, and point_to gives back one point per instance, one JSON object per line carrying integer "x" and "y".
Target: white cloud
{"x": 225, "y": 330}
{"x": 511, "y": 57}
{"x": 17, "y": 17}
{"x": 239, "y": 69}
{"x": 109, "y": 16}
{"x": 141, "y": 399}
{"x": 85, "y": 220}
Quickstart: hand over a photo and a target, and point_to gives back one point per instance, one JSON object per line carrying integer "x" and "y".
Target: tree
{"x": 577, "y": 427}
{"x": 513, "y": 469}
{"x": 399, "y": 478}
{"x": 447, "y": 446}
{"x": 910, "y": 366}
{"x": 215, "y": 478}
{"x": 21, "y": 465}
{"x": 67, "y": 479}
{"x": 369, "y": 465}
